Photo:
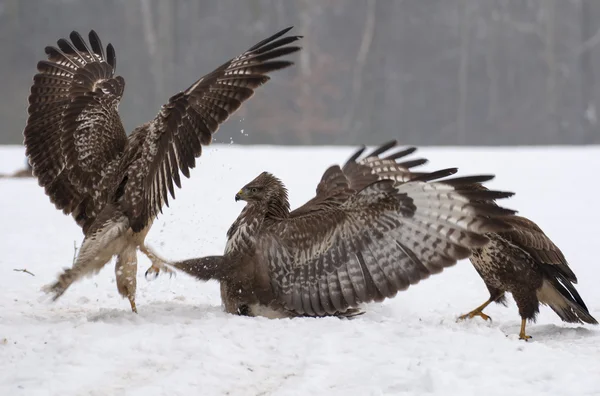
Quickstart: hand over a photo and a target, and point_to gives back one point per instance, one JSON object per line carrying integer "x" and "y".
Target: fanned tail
{"x": 560, "y": 294}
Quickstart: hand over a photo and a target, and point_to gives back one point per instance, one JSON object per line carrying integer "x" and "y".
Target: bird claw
{"x": 151, "y": 273}
{"x": 525, "y": 337}
{"x": 55, "y": 290}
{"x": 158, "y": 264}
{"x": 132, "y": 303}
{"x": 155, "y": 269}
{"x": 472, "y": 314}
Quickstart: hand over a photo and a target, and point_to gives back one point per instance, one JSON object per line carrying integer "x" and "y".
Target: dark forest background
{"x": 429, "y": 72}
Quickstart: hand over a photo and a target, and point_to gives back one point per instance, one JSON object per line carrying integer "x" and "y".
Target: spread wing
{"x": 332, "y": 191}
{"x": 529, "y": 237}
{"x": 74, "y": 134}
{"x": 378, "y": 242}
{"x": 171, "y": 142}
{"x": 525, "y": 234}
{"x": 357, "y": 174}
{"x": 374, "y": 167}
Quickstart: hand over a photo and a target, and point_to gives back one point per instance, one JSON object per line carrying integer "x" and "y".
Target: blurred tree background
{"x": 429, "y": 72}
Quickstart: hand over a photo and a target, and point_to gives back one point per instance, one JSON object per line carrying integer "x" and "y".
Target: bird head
{"x": 264, "y": 188}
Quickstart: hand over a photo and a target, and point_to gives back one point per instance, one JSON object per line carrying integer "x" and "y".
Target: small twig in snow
{"x": 24, "y": 270}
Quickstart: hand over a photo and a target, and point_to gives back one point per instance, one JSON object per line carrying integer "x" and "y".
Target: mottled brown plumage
{"x": 523, "y": 261}
{"x": 115, "y": 185}
{"x": 362, "y": 238}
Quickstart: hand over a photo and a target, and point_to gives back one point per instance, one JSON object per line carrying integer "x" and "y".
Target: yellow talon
{"x": 474, "y": 313}
{"x": 477, "y": 312}
{"x": 132, "y": 302}
{"x": 522, "y": 335}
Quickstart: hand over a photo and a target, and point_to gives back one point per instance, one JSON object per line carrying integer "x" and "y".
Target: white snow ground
{"x": 181, "y": 343}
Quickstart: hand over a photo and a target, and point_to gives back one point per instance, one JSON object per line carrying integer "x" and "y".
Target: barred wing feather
{"x": 171, "y": 142}
{"x": 381, "y": 240}
{"x": 74, "y": 132}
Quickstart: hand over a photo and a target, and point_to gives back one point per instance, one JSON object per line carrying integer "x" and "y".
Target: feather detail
{"x": 74, "y": 136}
{"x": 170, "y": 143}
{"x": 371, "y": 245}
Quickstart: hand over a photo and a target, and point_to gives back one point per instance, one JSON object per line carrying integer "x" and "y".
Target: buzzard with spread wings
{"x": 373, "y": 229}
{"x": 115, "y": 185}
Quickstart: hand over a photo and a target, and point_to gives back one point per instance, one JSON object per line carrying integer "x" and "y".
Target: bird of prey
{"x": 523, "y": 261}
{"x": 115, "y": 185}
{"x": 373, "y": 229}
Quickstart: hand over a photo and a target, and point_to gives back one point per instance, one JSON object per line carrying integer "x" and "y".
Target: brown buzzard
{"x": 115, "y": 185}
{"x": 374, "y": 228}
{"x": 526, "y": 263}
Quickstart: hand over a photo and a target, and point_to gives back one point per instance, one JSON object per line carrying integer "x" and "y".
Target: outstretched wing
{"x": 381, "y": 240}
{"x": 529, "y": 237}
{"x": 332, "y": 191}
{"x": 337, "y": 184}
{"x": 74, "y": 133}
{"x": 374, "y": 167}
{"x": 171, "y": 142}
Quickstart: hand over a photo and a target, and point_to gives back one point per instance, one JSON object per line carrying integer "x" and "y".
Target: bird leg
{"x": 65, "y": 280}
{"x": 522, "y": 335}
{"x": 158, "y": 263}
{"x": 477, "y": 312}
{"x": 91, "y": 257}
{"x": 126, "y": 271}
{"x": 132, "y": 302}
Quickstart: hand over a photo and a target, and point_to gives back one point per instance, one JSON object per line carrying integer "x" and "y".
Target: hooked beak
{"x": 239, "y": 195}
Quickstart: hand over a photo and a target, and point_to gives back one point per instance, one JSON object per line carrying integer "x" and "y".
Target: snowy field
{"x": 181, "y": 343}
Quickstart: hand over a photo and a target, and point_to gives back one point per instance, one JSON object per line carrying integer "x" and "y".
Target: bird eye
{"x": 253, "y": 189}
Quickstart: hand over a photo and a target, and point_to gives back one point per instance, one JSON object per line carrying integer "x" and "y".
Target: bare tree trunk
{"x": 11, "y": 8}
{"x": 491, "y": 66}
{"x": 359, "y": 66}
{"x": 551, "y": 92}
{"x": 463, "y": 73}
{"x": 166, "y": 43}
{"x": 590, "y": 120}
{"x": 151, "y": 39}
{"x": 305, "y": 70}
{"x": 280, "y": 13}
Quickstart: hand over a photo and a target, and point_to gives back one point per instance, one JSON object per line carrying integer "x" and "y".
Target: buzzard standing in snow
{"x": 373, "y": 229}
{"x": 526, "y": 263}
{"x": 115, "y": 185}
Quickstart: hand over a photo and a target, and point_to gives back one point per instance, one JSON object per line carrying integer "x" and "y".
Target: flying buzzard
{"x": 526, "y": 263}
{"x": 373, "y": 229}
{"x": 115, "y": 185}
